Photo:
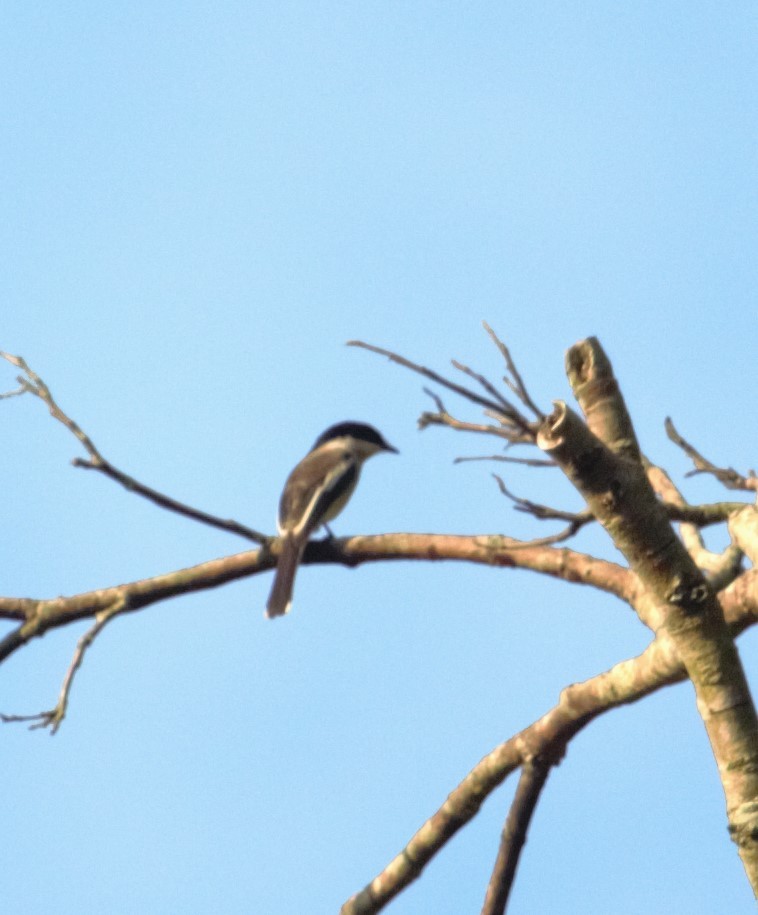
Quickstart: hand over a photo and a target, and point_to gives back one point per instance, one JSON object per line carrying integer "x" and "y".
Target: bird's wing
{"x": 318, "y": 481}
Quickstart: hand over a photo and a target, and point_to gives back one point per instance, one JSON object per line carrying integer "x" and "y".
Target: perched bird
{"x": 315, "y": 492}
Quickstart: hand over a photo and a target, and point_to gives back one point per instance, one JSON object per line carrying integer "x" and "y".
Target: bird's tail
{"x": 280, "y": 598}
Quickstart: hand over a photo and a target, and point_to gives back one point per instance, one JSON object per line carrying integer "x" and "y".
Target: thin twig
{"x": 443, "y": 418}
{"x": 33, "y": 384}
{"x": 517, "y": 385}
{"x": 528, "y": 462}
{"x": 534, "y": 774}
{"x": 576, "y": 520}
{"x": 544, "y": 512}
{"x": 441, "y": 408}
{"x": 54, "y": 717}
{"x": 180, "y": 508}
{"x": 21, "y": 389}
{"x": 488, "y": 386}
{"x": 515, "y": 427}
{"x": 727, "y": 476}
{"x": 429, "y": 373}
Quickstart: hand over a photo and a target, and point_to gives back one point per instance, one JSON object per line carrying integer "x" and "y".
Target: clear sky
{"x": 201, "y": 202}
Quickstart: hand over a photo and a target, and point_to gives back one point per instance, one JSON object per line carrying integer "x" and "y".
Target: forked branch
{"x": 626, "y": 682}
{"x": 514, "y": 425}
{"x": 53, "y": 718}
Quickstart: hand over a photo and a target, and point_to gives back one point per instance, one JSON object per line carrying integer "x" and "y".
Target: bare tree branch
{"x": 515, "y": 426}
{"x": 163, "y": 501}
{"x": 576, "y": 520}
{"x": 676, "y": 508}
{"x": 445, "y": 419}
{"x": 33, "y": 384}
{"x": 534, "y": 775}
{"x": 484, "y": 382}
{"x": 743, "y": 528}
{"x": 544, "y": 512}
{"x": 720, "y": 568}
{"x": 703, "y": 515}
{"x": 40, "y": 616}
{"x": 54, "y": 717}
{"x": 21, "y": 389}
{"x": 602, "y": 460}
{"x": 664, "y": 585}
{"x": 493, "y": 405}
{"x": 625, "y": 683}
{"x": 527, "y": 462}
{"x": 728, "y": 477}
{"x": 37, "y": 617}
{"x": 517, "y": 383}
{"x": 598, "y": 394}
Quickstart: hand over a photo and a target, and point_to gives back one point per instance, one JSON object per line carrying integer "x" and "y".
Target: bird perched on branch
{"x": 316, "y": 492}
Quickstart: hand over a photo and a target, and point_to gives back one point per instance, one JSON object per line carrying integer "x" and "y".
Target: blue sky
{"x": 201, "y": 204}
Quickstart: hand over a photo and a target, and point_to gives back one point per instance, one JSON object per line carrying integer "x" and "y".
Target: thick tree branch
{"x": 743, "y": 526}
{"x": 625, "y": 683}
{"x": 602, "y": 460}
{"x": 40, "y": 616}
{"x": 664, "y": 584}
{"x": 597, "y": 392}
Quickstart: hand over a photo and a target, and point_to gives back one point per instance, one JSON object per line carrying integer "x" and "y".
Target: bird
{"x": 315, "y": 493}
